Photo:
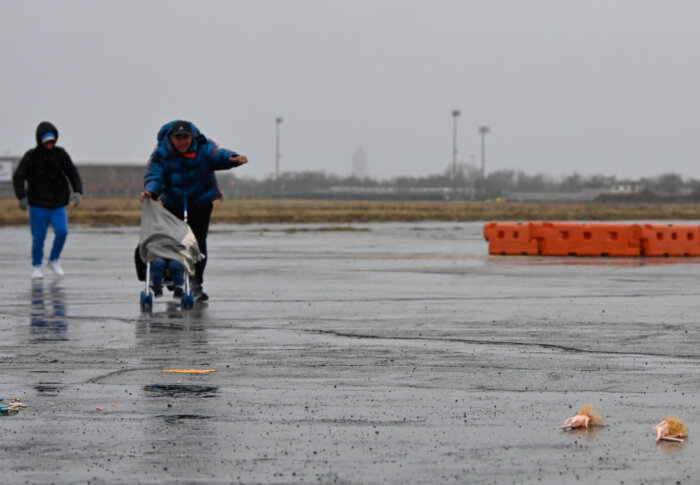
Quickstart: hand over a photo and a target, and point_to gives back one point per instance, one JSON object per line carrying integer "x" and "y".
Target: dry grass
{"x": 99, "y": 212}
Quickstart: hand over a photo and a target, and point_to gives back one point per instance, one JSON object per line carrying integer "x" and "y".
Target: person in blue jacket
{"x": 181, "y": 173}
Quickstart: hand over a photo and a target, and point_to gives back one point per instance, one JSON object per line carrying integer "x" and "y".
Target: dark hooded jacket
{"x": 43, "y": 174}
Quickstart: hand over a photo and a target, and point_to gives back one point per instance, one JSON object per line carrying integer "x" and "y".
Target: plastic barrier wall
{"x": 510, "y": 238}
{"x": 592, "y": 239}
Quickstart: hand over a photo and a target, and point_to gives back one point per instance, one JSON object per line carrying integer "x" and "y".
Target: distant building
{"x": 7, "y": 169}
{"x": 384, "y": 193}
{"x": 585, "y": 195}
{"x": 7, "y": 165}
{"x": 111, "y": 181}
{"x": 359, "y": 164}
{"x": 100, "y": 181}
{"x": 626, "y": 187}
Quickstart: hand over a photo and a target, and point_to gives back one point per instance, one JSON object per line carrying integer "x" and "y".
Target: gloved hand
{"x": 239, "y": 160}
{"x": 23, "y": 204}
{"x": 76, "y": 198}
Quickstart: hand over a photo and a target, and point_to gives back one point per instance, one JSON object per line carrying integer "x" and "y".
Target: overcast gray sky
{"x": 588, "y": 86}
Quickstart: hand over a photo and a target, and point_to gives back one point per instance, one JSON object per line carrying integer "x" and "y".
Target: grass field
{"x": 99, "y": 212}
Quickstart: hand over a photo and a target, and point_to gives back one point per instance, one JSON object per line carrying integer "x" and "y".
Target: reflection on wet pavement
{"x": 585, "y": 435}
{"x": 48, "y": 312}
{"x": 669, "y": 448}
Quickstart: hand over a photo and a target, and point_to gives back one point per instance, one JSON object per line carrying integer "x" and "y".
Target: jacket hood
{"x": 43, "y": 128}
{"x": 164, "y": 139}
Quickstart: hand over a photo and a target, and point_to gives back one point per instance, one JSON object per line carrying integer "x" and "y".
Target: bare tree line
{"x": 465, "y": 183}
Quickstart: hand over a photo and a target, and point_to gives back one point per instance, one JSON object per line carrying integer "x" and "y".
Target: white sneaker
{"x": 37, "y": 273}
{"x": 56, "y": 267}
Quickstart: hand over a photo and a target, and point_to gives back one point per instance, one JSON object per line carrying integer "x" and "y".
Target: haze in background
{"x": 595, "y": 86}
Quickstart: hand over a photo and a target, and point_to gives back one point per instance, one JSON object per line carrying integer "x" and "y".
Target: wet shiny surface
{"x": 393, "y": 353}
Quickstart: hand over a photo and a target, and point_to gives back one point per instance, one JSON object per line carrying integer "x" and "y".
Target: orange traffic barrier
{"x": 669, "y": 239}
{"x": 511, "y": 238}
{"x": 592, "y": 239}
{"x": 585, "y": 239}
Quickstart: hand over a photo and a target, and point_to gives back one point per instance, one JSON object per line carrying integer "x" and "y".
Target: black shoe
{"x": 199, "y": 294}
{"x": 177, "y": 293}
{"x": 157, "y": 290}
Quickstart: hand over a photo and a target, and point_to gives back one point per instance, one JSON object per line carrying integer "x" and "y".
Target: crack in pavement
{"x": 506, "y": 343}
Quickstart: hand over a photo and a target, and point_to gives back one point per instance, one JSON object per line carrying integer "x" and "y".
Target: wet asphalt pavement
{"x": 393, "y": 353}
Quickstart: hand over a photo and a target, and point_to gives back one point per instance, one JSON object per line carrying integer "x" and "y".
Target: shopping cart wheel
{"x": 188, "y": 300}
{"x": 146, "y": 301}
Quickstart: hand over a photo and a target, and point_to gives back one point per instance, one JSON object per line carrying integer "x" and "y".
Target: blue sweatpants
{"x": 39, "y": 219}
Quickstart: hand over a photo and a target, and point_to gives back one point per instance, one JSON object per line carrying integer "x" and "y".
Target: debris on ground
{"x": 585, "y": 417}
{"x": 12, "y": 408}
{"x": 671, "y": 429}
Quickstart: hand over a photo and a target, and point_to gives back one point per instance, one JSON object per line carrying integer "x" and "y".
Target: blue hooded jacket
{"x": 175, "y": 177}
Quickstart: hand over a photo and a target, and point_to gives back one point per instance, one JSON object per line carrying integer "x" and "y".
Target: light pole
{"x": 455, "y": 114}
{"x": 278, "y": 122}
{"x": 483, "y": 131}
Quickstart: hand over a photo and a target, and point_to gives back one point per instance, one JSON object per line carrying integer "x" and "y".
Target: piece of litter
{"x": 12, "y": 408}
{"x": 671, "y": 429}
{"x": 189, "y": 371}
{"x": 99, "y": 409}
{"x": 586, "y": 416}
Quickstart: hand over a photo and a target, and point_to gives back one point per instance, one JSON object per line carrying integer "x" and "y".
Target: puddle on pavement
{"x": 48, "y": 390}
{"x": 179, "y": 390}
{"x": 174, "y": 418}
{"x": 148, "y": 327}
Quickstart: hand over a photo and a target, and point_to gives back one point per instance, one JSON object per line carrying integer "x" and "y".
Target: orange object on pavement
{"x": 512, "y": 238}
{"x": 585, "y": 239}
{"x": 593, "y": 239}
{"x": 669, "y": 239}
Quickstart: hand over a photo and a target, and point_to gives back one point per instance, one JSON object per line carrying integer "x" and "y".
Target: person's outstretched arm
{"x": 221, "y": 158}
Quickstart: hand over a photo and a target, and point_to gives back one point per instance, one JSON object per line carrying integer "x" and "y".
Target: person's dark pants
{"x": 198, "y": 219}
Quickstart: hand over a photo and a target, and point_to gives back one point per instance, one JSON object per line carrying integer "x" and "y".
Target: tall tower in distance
{"x": 359, "y": 163}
